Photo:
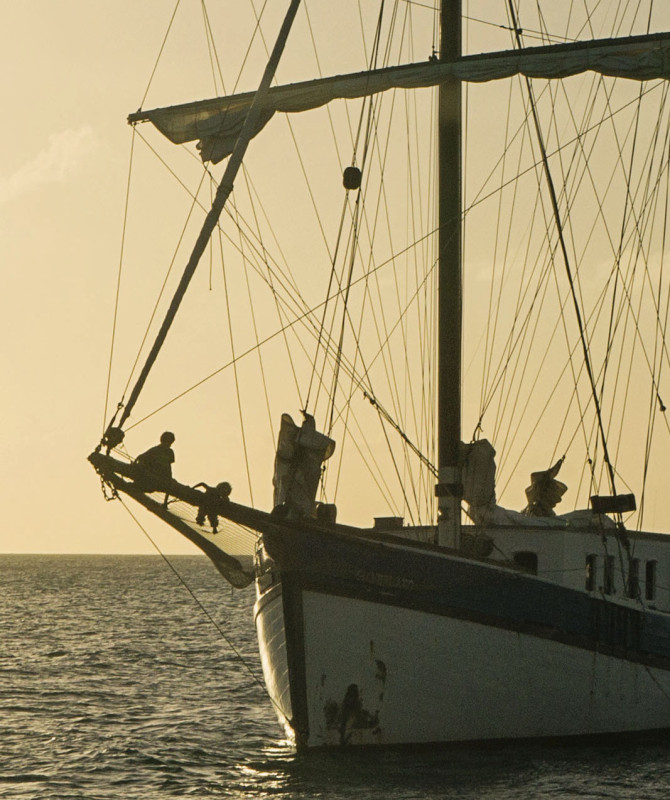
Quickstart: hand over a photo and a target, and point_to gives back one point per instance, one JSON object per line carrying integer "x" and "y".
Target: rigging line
{"x": 359, "y": 382}
{"x": 654, "y": 397}
{"x": 282, "y": 314}
{"x": 357, "y": 205}
{"x": 389, "y": 333}
{"x": 183, "y": 185}
{"x": 371, "y": 127}
{"x": 285, "y": 278}
{"x": 118, "y": 279}
{"x": 197, "y": 601}
{"x": 321, "y": 328}
{"x": 264, "y": 258}
{"x": 656, "y": 299}
{"x": 345, "y": 309}
{"x": 298, "y": 149}
{"x": 332, "y": 257}
{"x": 354, "y": 245}
{"x": 530, "y": 334}
{"x": 399, "y": 403}
{"x": 603, "y": 295}
{"x": 529, "y": 32}
{"x": 303, "y": 319}
{"x": 603, "y": 216}
{"x": 514, "y": 340}
{"x": 554, "y": 203}
{"x": 301, "y": 161}
{"x": 160, "y": 53}
{"x": 635, "y": 314}
{"x": 327, "y": 106}
{"x": 222, "y": 193}
{"x": 366, "y": 278}
{"x": 481, "y": 198}
{"x": 333, "y": 275}
{"x": 372, "y": 237}
{"x": 235, "y": 373}
{"x": 212, "y": 51}
{"x": 355, "y": 383}
{"x": 494, "y": 309}
{"x": 580, "y": 424}
{"x": 414, "y": 244}
{"x": 559, "y": 152}
{"x": 629, "y": 204}
{"x": 414, "y": 222}
{"x": 398, "y": 475}
{"x": 257, "y": 30}
{"x": 376, "y": 473}
{"x": 569, "y": 205}
{"x": 302, "y": 165}
{"x": 385, "y": 415}
{"x": 165, "y": 281}
{"x": 545, "y": 357}
{"x": 520, "y": 341}
{"x": 281, "y": 274}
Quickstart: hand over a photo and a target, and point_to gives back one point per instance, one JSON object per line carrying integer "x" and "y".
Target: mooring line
{"x": 197, "y": 601}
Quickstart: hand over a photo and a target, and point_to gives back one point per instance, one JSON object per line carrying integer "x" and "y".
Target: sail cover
{"x": 300, "y": 455}
{"x": 216, "y": 123}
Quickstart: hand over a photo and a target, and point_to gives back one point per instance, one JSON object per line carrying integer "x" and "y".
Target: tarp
{"x": 300, "y": 454}
{"x": 217, "y": 122}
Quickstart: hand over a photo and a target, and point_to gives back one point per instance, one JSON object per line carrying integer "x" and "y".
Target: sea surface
{"x": 134, "y": 677}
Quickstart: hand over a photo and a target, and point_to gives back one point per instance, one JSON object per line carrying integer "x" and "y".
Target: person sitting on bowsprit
{"x": 213, "y": 498}
{"x": 155, "y": 465}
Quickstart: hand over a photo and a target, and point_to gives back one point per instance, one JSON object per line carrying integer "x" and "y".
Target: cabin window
{"x": 591, "y": 572}
{"x": 526, "y": 560}
{"x": 608, "y": 578}
{"x": 634, "y": 578}
{"x": 650, "y": 580}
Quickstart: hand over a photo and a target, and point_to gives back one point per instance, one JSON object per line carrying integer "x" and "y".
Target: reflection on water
{"x": 114, "y": 684}
{"x": 624, "y": 771}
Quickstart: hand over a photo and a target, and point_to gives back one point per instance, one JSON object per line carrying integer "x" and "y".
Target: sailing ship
{"x": 472, "y": 622}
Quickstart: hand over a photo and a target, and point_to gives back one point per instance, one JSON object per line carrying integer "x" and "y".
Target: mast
{"x": 449, "y": 489}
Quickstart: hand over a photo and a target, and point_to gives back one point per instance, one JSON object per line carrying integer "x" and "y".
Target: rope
{"x": 118, "y": 280}
{"x": 566, "y": 260}
{"x": 202, "y": 608}
{"x": 160, "y": 53}
{"x": 224, "y": 190}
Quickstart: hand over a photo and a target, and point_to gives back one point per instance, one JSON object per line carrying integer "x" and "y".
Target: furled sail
{"x": 217, "y": 122}
{"x": 300, "y": 455}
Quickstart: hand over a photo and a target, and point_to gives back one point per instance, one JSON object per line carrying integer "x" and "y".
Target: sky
{"x": 73, "y": 70}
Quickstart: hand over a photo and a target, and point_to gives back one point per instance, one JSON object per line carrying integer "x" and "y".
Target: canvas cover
{"x": 300, "y": 453}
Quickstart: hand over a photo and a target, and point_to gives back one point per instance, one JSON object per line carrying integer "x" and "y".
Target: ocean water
{"x": 119, "y": 680}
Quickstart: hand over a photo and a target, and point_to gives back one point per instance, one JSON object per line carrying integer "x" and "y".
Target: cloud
{"x": 53, "y": 164}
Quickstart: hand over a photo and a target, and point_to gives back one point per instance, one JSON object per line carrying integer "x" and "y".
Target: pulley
{"x": 352, "y": 178}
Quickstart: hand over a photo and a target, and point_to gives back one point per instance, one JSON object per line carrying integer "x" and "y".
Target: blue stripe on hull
{"x": 391, "y": 572}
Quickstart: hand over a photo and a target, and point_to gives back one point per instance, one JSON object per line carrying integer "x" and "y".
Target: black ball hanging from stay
{"x": 352, "y": 178}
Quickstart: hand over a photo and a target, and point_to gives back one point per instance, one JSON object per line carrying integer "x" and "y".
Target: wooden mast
{"x": 449, "y": 489}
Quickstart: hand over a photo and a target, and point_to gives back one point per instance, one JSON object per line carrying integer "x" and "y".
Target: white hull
{"x": 272, "y": 646}
{"x": 427, "y": 678}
